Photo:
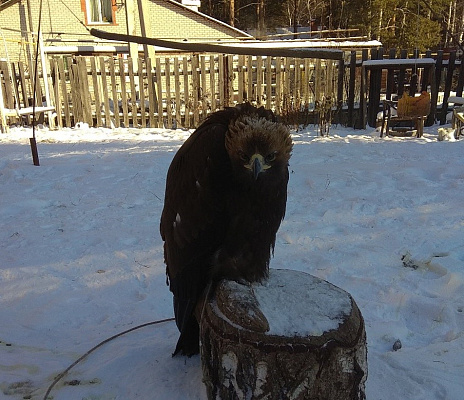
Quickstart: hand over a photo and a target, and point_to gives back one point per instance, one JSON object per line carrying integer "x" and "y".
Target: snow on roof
{"x": 327, "y": 44}
{"x": 214, "y": 20}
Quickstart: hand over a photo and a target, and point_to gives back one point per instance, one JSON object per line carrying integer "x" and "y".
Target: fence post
{"x": 351, "y": 89}
{"x": 461, "y": 77}
{"x": 448, "y": 81}
{"x": 341, "y": 76}
{"x": 362, "y": 96}
{"x": 374, "y": 89}
{"x": 390, "y": 75}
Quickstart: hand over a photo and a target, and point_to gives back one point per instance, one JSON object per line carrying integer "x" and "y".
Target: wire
{"x": 75, "y": 16}
{"x": 62, "y": 374}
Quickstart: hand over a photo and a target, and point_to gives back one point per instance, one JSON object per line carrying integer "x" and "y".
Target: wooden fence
{"x": 180, "y": 91}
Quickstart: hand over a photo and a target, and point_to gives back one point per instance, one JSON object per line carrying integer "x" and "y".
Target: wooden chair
{"x": 390, "y": 117}
{"x": 457, "y": 119}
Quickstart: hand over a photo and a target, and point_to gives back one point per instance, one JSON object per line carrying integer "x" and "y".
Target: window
{"x": 99, "y": 11}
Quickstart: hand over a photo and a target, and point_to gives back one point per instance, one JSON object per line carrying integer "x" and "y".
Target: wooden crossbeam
{"x": 329, "y": 54}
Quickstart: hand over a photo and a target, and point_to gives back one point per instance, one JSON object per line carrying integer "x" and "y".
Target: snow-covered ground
{"x": 81, "y": 259}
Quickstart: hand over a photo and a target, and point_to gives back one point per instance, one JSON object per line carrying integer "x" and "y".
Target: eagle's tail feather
{"x": 189, "y": 340}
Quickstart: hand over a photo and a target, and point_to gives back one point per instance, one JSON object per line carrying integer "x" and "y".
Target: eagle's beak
{"x": 257, "y": 165}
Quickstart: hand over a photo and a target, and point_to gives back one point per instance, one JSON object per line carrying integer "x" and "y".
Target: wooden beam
{"x": 131, "y": 30}
{"x": 330, "y": 54}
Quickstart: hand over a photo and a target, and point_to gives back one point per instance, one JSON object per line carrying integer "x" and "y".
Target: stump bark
{"x": 293, "y": 337}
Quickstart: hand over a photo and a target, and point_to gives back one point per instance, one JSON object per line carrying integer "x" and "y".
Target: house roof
{"x": 7, "y": 3}
{"x": 209, "y": 19}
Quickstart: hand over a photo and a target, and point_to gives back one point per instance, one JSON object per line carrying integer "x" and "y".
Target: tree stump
{"x": 294, "y": 336}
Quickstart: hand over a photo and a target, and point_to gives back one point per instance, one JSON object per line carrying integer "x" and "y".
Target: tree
{"x": 408, "y": 24}
{"x": 304, "y": 12}
{"x": 399, "y": 23}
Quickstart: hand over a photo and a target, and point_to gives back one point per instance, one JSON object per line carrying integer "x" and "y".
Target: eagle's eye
{"x": 243, "y": 156}
{"x": 270, "y": 157}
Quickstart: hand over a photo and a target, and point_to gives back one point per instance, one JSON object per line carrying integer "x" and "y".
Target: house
{"x": 65, "y": 24}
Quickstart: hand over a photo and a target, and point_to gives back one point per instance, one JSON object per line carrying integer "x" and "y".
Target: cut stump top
{"x": 291, "y": 310}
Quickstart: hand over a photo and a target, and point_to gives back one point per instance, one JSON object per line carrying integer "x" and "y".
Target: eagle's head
{"x": 258, "y": 147}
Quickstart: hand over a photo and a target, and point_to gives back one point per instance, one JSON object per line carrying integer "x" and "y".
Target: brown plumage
{"x": 226, "y": 192}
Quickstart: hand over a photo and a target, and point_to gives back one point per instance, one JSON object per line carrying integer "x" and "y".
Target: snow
{"x": 399, "y": 62}
{"x": 81, "y": 258}
{"x": 297, "y": 304}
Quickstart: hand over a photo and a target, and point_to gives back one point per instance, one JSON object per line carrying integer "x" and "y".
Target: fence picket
{"x": 122, "y": 77}
{"x": 152, "y": 99}
{"x": 114, "y": 93}
{"x": 177, "y": 90}
{"x": 133, "y": 92}
{"x": 143, "y": 122}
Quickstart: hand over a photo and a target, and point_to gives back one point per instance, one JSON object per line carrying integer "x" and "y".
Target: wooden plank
{"x": 223, "y": 49}
{"x": 204, "y": 88}
{"x": 37, "y": 84}
{"x": 143, "y": 122}
{"x": 221, "y": 81}
{"x": 318, "y": 93}
{"x": 241, "y": 79}
{"x": 230, "y": 80}
{"x": 122, "y": 78}
{"x": 167, "y": 74}
{"x": 460, "y": 84}
{"x": 330, "y": 78}
{"x": 448, "y": 83}
{"x": 9, "y": 90}
{"x": 433, "y": 98}
{"x": 402, "y": 74}
{"x": 438, "y": 75}
{"x": 106, "y": 104}
{"x": 425, "y": 78}
{"x": 212, "y": 82}
{"x": 15, "y": 83}
{"x": 23, "y": 85}
{"x": 177, "y": 90}
{"x": 297, "y": 87}
{"x": 159, "y": 88}
{"x": 413, "y": 82}
{"x": 374, "y": 87}
{"x": 306, "y": 93}
{"x": 64, "y": 92}
{"x": 286, "y": 89}
{"x": 268, "y": 78}
{"x": 77, "y": 112}
{"x": 390, "y": 76}
{"x": 249, "y": 73}
{"x": 152, "y": 103}
{"x": 351, "y": 93}
{"x": 114, "y": 93}
{"x": 259, "y": 80}
{"x": 133, "y": 92}
{"x": 340, "y": 82}
{"x": 196, "y": 88}
{"x": 278, "y": 91}
{"x": 85, "y": 92}
{"x": 96, "y": 91}
{"x": 56, "y": 89}
{"x": 186, "y": 92}
{"x": 363, "y": 88}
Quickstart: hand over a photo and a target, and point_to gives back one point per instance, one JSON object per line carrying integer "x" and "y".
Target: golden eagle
{"x": 226, "y": 192}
